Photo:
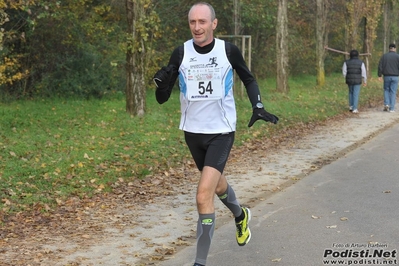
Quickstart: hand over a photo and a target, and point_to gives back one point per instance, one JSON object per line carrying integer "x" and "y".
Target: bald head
{"x": 211, "y": 10}
{"x": 202, "y": 21}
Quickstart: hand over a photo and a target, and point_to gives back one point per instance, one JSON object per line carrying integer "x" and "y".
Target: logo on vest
{"x": 213, "y": 62}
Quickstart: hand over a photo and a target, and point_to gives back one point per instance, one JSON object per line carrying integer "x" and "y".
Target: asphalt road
{"x": 345, "y": 212}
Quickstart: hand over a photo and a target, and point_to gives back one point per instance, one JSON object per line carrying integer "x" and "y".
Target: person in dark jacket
{"x": 389, "y": 67}
{"x": 354, "y": 70}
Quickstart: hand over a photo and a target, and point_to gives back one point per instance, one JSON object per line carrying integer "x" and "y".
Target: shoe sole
{"x": 249, "y": 236}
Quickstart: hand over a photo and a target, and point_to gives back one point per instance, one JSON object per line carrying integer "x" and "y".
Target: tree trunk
{"x": 282, "y": 47}
{"x": 386, "y": 23}
{"x": 237, "y": 17}
{"x": 373, "y": 13}
{"x": 321, "y": 39}
{"x": 366, "y": 47}
{"x": 356, "y": 10}
{"x": 135, "y": 82}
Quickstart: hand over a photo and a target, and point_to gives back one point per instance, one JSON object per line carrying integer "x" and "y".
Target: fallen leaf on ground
{"x": 331, "y": 226}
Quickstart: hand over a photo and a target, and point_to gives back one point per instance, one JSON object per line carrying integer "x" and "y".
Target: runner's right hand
{"x": 163, "y": 76}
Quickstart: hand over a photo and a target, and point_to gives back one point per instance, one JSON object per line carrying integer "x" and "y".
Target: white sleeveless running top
{"x": 206, "y": 91}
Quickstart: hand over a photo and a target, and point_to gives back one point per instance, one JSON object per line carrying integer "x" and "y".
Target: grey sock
{"x": 205, "y": 229}
{"x": 229, "y": 199}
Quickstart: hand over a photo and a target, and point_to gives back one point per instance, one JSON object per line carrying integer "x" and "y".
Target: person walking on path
{"x": 204, "y": 66}
{"x": 389, "y": 68}
{"x": 354, "y": 70}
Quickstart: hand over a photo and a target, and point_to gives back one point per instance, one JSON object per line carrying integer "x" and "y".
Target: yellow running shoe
{"x": 243, "y": 234}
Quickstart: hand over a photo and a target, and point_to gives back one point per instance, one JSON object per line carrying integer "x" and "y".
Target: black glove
{"x": 261, "y": 113}
{"x": 163, "y": 76}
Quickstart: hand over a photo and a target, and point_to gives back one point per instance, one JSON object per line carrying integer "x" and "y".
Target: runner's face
{"x": 201, "y": 24}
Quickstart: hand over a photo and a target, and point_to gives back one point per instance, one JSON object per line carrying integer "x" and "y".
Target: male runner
{"x": 204, "y": 66}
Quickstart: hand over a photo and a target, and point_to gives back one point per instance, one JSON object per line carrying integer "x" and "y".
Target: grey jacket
{"x": 389, "y": 64}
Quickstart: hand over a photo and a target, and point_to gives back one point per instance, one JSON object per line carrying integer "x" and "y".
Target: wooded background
{"x": 91, "y": 48}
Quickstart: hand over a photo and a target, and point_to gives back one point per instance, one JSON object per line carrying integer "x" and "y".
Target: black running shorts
{"x": 210, "y": 149}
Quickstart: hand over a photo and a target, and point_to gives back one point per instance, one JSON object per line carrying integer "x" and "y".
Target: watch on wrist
{"x": 259, "y": 105}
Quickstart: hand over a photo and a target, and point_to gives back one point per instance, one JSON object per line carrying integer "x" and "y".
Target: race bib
{"x": 204, "y": 84}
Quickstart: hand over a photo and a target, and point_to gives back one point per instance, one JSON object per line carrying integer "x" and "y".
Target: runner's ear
{"x": 214, "y": 23}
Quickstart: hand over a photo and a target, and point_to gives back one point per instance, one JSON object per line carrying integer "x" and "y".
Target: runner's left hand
{"x": 261, "y": 113}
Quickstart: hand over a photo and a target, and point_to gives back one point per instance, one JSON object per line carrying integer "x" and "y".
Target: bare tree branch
{"x": 341, "y": 52}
